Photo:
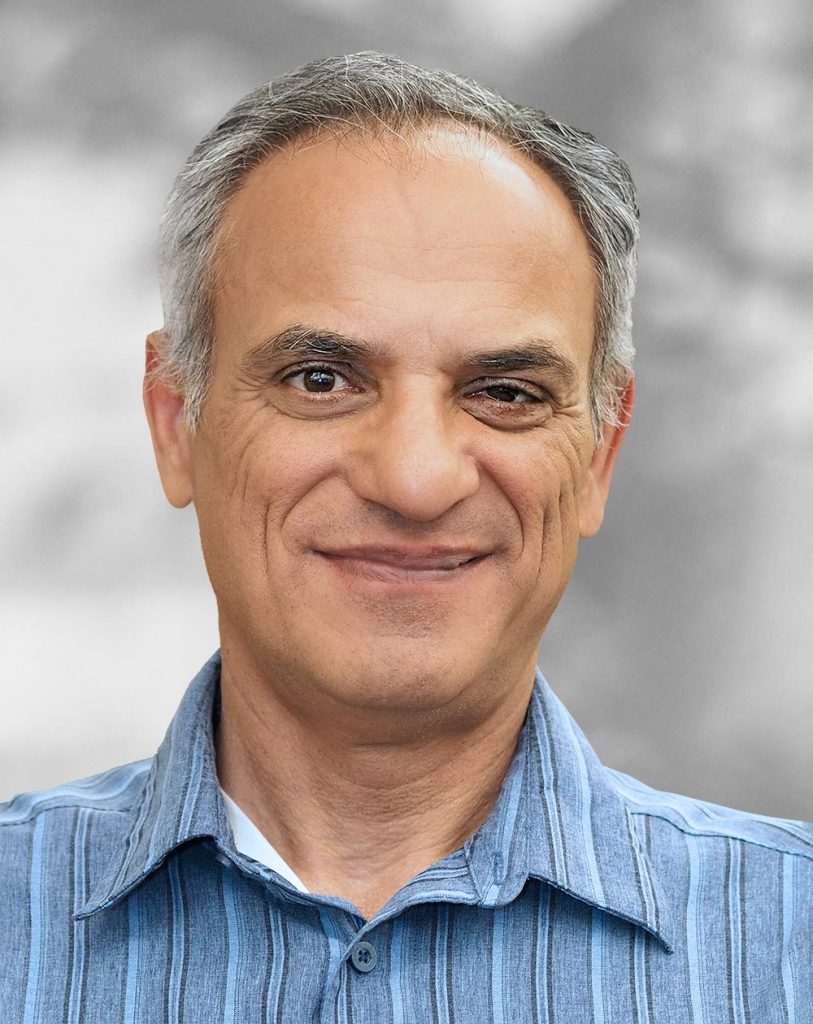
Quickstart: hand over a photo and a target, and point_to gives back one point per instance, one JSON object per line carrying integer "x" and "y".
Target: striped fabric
{"x": 585, "y": 898}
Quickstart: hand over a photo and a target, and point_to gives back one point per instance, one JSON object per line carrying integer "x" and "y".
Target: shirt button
{"x": 364, "y": 957}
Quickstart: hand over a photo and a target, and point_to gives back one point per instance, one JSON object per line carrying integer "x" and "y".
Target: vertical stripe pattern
{"x": 585, "y": 896}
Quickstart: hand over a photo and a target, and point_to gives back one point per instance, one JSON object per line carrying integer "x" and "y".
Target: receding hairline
{"x": 405, "y": 148}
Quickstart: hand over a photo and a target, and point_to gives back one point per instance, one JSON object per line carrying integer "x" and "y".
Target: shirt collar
{"x": 559, "y": 817}
{"x": 180, "y": 801}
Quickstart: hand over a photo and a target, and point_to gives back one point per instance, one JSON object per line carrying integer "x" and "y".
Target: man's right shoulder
{"x": 105, "y": 796}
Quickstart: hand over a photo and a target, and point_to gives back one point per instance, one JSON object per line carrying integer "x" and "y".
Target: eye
{"x": 509, "y": 394}
{"x": 317, "y": 380}
{"x": 509, "y": 403}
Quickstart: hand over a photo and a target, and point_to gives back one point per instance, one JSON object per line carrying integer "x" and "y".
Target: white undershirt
{"x": 252, "y": 843}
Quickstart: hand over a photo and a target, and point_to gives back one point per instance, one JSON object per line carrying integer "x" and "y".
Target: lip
{"x": 405, "y": 565}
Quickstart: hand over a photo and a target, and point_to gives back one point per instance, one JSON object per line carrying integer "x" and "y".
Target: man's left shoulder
{"x": 710, "y": 828}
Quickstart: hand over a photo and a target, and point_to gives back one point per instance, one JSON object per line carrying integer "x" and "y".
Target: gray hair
{"x": 369, "y": 92}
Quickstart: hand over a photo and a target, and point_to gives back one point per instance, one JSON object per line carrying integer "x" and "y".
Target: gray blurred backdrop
{"x": 685, "y": 643}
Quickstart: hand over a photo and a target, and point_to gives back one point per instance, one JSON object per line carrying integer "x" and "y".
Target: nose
{"x": 413, "y": 459}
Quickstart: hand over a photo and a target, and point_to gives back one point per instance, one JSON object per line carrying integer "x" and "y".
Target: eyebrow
{"x": 534, "y": 354}
{"x": 305, "y": 341}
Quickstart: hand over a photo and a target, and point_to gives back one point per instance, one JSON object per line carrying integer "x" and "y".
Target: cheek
{"x": 542, "y": 481}
{"x": 541, "y": 484}
{"x": 244, "y": 458}
{"x": 266, "y": 472}
{"x": 231, "y": 474}
{"x": 553, "y": 556}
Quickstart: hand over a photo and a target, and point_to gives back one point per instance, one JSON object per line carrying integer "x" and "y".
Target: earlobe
{"x": 164, "y": 407}
{"x": 596, "y": 484}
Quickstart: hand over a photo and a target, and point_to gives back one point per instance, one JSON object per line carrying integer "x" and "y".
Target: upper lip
{"x": 427, "y": 557}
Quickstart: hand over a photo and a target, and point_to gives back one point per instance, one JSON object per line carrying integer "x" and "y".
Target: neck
{"x": 357, "y": 817}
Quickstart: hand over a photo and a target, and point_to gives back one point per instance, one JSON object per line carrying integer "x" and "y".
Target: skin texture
{"x": 388, "y": 522}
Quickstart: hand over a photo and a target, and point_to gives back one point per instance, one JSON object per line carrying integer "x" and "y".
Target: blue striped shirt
{"x": 585, "y": 898}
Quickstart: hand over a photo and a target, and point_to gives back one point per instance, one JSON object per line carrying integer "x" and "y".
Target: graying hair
{"x": 373, "y": 92}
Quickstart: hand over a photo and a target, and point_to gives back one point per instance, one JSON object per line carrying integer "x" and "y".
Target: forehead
{"x": 440, "y": 234}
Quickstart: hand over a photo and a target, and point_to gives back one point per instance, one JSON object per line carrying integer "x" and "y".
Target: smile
{"x": 398, "y": 565}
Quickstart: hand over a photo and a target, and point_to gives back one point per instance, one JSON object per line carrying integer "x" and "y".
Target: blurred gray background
{"x": 684, "y": 646}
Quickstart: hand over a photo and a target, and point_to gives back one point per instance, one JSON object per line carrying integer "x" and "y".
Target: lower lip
{"x": 368, "y": 570}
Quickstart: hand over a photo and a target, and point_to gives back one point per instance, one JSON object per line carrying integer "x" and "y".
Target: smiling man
{"x": 394, "y": 378}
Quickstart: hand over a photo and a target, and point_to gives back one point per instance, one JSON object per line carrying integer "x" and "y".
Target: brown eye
{"x": 506, "y": 394}
{"x": 319, "y": 380}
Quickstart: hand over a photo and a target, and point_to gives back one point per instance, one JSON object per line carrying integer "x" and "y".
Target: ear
{"x": 170, "y": 437}
{"x": 596, "y": 484}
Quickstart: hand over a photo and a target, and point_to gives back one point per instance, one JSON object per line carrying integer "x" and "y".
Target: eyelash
{"x": 482, "y": 385}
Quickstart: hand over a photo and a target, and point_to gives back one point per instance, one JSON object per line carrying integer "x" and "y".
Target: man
{"x": 394, "y": 378}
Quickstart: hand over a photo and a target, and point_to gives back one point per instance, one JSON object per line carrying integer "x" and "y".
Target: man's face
{"x": 396, "y": 459}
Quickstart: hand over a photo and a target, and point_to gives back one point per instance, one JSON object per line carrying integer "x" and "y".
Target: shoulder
{"x": 701, "y": 823}
{"x": 52, "y": 844}
{"x": 43, "y": 836}
{"x": 105, "y": 795}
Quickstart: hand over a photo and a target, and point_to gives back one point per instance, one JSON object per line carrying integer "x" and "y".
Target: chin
{"x": 406, "y": 677}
